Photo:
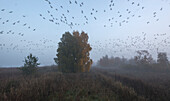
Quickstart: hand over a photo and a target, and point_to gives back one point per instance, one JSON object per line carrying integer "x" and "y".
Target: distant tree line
{"x": 143, "y": 58}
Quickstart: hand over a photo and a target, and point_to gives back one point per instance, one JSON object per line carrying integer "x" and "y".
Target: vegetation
{"x": 143, "y": 59}
{"x": 162, "y": 59}
{"x": 112, "y": 61}
{"x": 98, "y": 85}
{"x": 30, "y": 65}
{"x": 137, "y": 79}
{"x": 73, "y": 53}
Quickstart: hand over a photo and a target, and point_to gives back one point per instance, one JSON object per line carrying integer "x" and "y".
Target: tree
{"x": 112, "y": 61}
{"x": 104, "y": 61}
{"x": 73, "y": 53}
{"x": 162, "y": 59}
{"x": 30, "y": 65}
{"x": 143, "y": 57}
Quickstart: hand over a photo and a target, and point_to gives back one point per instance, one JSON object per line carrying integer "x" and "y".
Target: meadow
{"x": 109, "y": 84}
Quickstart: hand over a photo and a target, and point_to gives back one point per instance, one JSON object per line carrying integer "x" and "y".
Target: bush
{"x": 30, "y": 65}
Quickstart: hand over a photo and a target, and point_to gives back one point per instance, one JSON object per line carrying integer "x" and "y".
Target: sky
{"x": 114, "y": 27}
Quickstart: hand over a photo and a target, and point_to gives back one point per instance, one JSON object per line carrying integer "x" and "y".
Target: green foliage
{"x": 30, "y": 65}
{"x": 73, "y": 53}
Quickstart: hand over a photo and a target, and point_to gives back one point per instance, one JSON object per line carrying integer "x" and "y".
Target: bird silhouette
{"x": 1, "y": 32}
{"x": 11, "y": 12}
{"x": 70, "y": 2}
{"x": 51, "y": 6}
{"x": 161, "y": 9}
{"x": 2, "y": 9}
{"x": 25, "y": 24}
{"x": 75, "y": 2}
{"x": 95, "y": 18}
{"x": 14, "y": 23}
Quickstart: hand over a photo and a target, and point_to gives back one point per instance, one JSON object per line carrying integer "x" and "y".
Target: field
{"x": 121, "y": 84}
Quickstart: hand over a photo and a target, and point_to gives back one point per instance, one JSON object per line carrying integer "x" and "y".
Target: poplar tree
{"x": 73, "y": 53}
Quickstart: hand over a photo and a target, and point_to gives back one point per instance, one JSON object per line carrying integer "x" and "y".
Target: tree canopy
{"x": 73, "y": 52}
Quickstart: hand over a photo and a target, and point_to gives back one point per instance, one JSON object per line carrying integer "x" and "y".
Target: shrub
{"x": 30, "y": 65}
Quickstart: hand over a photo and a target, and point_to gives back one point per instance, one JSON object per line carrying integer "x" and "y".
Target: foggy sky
{"x": 112, "y": 39}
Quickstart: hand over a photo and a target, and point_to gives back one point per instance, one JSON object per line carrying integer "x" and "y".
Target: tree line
{"x": 143, "y": 58}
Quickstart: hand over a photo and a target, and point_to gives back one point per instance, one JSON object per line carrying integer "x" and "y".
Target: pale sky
{"x": 121, "y": 27}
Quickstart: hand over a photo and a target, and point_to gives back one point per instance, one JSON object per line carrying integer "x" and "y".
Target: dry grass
{"x": 98, "y": 85}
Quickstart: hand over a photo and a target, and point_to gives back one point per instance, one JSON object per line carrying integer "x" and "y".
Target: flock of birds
{"x": 61, "y": 15}
{"x": 118, "y": 18}
{"x": 13, "y": 24}
{"x": 39, "y": 46}
{"x": 63, "y": 19}
{"x": 131, "y": 44}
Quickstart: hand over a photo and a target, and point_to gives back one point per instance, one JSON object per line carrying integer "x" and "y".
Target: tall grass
{"x": 97, "y": 85}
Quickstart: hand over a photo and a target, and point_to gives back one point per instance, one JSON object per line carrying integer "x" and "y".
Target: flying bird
{"x": 1, "y": 32}
{"x": 161, "y": 9}
{"x": 75, "y": 2}
{"x": 14, "y": 23}
{"x": 2, "y": 9}
{"x": 51, "y": 6}
{"x": 11, "y": 12}
{"x": 24, "y": 24}
{"x": 95, "y": 18}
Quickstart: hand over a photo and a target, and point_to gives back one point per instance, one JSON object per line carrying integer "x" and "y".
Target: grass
{"x": 98, "y": 85}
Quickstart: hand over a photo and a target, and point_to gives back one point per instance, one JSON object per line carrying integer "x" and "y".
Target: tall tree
{"x": 73, "y": 53}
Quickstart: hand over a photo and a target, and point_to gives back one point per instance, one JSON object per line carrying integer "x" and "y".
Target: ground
{"x": 110, "y": 84}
